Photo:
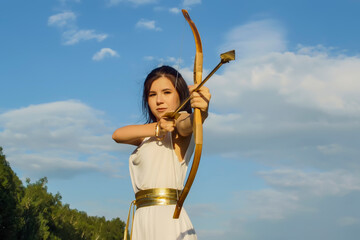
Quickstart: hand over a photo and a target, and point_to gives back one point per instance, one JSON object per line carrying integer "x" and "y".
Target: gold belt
{"x": 151, "y": 197}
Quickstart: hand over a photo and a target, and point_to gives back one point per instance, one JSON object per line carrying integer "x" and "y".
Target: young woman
{"x": 164, "y": 147}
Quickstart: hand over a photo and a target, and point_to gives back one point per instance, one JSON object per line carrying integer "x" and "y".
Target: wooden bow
{"x": 197, "y": 120}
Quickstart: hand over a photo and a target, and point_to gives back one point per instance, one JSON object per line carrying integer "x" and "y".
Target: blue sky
{"x": 280, "y": 157}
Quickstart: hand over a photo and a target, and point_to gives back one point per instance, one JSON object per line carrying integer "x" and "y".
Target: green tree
{"x": 32, "y": 213}
{"x": 38, "y": 208}
{"x": 11, "y": 192}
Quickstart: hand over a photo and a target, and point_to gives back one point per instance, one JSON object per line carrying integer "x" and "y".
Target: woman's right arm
{"x": 134, "y": 134}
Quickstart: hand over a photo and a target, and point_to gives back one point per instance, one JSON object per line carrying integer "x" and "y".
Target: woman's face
{"x": 163, "y": 97}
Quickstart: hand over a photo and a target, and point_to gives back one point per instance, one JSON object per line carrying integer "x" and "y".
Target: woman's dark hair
{"x": 176, "y": 79}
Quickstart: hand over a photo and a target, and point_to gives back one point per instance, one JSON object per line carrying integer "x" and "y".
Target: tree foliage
{"x": 11, "y": 193}
{"x": 33, "y": 213}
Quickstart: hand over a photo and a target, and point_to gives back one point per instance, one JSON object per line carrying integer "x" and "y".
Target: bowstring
{"x": 180, "y": 54}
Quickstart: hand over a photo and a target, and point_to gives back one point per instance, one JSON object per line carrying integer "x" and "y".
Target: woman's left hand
{"x": 166, "y": 125}
{"x": 200, "y": 99}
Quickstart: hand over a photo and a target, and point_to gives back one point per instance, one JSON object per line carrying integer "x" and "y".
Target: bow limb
{"x": 197, "y": 120}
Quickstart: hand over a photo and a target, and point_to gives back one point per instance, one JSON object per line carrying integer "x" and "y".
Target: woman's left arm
{"x": 199, "y": 99}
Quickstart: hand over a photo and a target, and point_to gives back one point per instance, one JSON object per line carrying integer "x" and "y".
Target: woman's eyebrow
{"x": 163, "y": 90}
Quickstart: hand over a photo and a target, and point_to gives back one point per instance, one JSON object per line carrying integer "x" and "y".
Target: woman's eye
{"x": 152, "y": 94}
{"x": 167, "y": 92}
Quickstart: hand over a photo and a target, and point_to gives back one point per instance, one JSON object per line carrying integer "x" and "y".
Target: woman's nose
{"x": 159, "y": 99}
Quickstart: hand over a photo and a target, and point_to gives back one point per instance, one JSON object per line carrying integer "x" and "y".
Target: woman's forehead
{"x": 162, "y": 83}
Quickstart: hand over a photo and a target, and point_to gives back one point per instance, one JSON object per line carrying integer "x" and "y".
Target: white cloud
{"x": 147, "y": 24}
{"x": 72, "y": 37}
{"x": 309, "y": 77}
{"x": 313, "y": 200}
{"x": 282, "y": 105}
{"x": 62, "y": 19}
{"x": 135, "y": 2}
{"x": 171, "y": 61}
{"x": 71, "y": 34}
{"x": 293, "y": 192}
{"x": 105, "y": 52}
{"x": 188, "y": 3}
{"x": 256, "y": 38}
{"x": 309, "y": 184}
{"x": 348, "y": 221}
{"x": 291, "y": 199}
{"x": 59, "y": 139}
{"x": 174, "y": 10}
{"x": 269, "y": 204}
{"x": 330, "y": 149}
{"x": 298, "y": 113}
{"x": 63, "y": 2}
{"x": 149, "y": 58}
{"x": 53, "y": 166}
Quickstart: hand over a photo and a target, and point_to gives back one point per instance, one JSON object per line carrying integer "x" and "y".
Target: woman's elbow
{"x": 116, "y": 138}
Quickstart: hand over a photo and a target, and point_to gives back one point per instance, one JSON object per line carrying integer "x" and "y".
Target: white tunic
{"x": 154, "y": 164}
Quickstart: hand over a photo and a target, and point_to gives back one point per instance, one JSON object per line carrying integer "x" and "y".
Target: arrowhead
{"x": 228, "y": 56}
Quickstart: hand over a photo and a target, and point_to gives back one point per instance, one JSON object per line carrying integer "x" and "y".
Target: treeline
{"x": 30, "y": 212}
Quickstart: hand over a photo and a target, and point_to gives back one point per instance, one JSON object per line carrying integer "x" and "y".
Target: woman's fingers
{"x": 200, "y": 98}
{"x": 167, "y": 125}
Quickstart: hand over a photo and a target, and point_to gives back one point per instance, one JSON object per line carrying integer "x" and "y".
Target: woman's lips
{"x": 161, "y": 109}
